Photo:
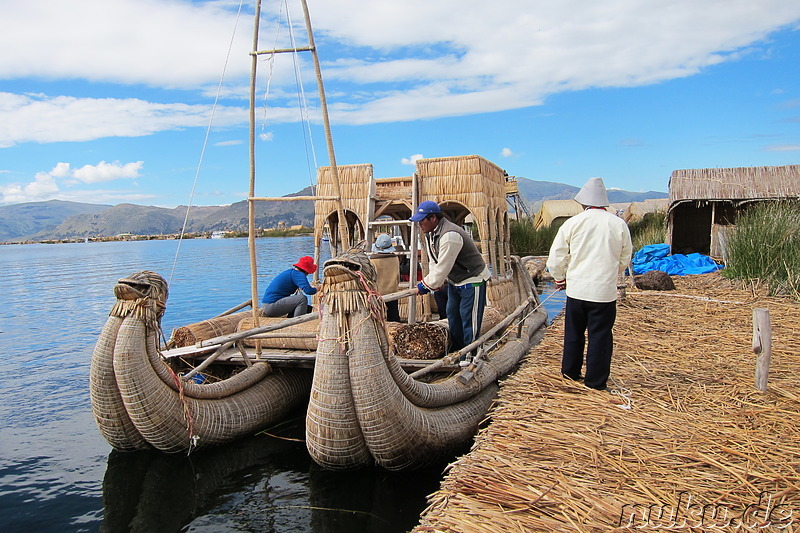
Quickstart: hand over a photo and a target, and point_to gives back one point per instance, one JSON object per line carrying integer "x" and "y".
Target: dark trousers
{"x": 465, "y": 305}
{"x": 596, "y": 319}
{"x": 393, "y": 311}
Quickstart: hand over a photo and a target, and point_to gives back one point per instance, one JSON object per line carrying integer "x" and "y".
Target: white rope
{"x": 623, "y": 393}
{"x": 205, "y": 144}
{"x": 303, "y": 103}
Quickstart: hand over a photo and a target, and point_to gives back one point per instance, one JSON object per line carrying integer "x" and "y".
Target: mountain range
{"x": 60, "y": 220}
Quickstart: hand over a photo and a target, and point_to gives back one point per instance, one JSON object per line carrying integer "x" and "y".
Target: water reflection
{"x": 257, "y": 484}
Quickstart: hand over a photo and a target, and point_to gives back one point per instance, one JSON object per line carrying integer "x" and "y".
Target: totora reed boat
{"x": 377, "y": 392}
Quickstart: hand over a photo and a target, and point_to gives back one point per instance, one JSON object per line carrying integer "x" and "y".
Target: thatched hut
{"x": 635, "y": 211}
{"x": 555, "y": 212}
{"x": 705, "y": 203}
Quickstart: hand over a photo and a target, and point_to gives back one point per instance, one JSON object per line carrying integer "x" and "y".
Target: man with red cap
{"x": 282, "y": 297}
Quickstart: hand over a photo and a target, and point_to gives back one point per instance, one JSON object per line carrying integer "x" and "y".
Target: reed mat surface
{"x": 682, "y": 440}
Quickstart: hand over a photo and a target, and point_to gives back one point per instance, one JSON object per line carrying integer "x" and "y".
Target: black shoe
{"x": 579, "y": 378}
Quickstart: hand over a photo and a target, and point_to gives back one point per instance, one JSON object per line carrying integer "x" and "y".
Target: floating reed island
{"x": 683, "y": 441}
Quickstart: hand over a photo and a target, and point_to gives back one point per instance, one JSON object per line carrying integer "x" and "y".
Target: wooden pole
{"x": 344, "y": 234}
{"x": 251, "y": 206}
{"x": 762, "y": 346}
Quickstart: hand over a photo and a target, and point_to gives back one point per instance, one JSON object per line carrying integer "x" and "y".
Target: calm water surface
{"x": 58, "y": 474}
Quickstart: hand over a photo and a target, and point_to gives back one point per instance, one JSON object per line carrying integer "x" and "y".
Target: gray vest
{"x": 469, "y": 262}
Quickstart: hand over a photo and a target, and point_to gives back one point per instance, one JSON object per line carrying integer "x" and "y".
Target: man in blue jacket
{"x": 282, "y": 298}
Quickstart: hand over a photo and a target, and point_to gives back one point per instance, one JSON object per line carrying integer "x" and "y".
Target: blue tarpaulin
{"x": 656, "y": 257}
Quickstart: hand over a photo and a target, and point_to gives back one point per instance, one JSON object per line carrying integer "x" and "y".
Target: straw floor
{"x": 699, "y": 449}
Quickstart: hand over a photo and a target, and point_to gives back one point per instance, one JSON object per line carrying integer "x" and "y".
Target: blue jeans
{"x": 465, "y": 305}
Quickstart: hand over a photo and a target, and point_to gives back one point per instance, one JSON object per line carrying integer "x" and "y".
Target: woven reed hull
{"x": 165, "y": 418}
{"x": 365, "y": 409}
{"x": 107, "y": 406}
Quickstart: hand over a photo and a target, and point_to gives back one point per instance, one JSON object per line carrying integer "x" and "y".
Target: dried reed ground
{"x": 557, "y": 456}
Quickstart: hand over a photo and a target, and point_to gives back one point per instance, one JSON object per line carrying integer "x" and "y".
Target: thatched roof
{"x": 637, "y": 210}
{"x": 743, "y": 183}
{"x": 553, "y": 209}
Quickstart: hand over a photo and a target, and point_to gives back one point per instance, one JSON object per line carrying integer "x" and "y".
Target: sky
{"x": 146, "y": 101}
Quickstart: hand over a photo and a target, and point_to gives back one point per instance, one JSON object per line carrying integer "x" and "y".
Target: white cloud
{"x": 411, "y": 160}
{"x": 154, "y": 42}
{"x": 48, "y": 185}
{"x": 266, "y": 136}
{"x": 228, "y": 143}
{"x": 107, "y": 171}
{"x": 383, "y": 61}
{"x": 506, "y": 152}
{"x": 39, "y": 118}
{"x": 783, "y": 148}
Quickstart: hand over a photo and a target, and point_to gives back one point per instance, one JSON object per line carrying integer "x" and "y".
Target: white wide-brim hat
{"x": 593, "y": 193}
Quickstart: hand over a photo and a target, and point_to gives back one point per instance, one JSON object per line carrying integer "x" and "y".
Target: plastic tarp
{"x": 656, "y": 257}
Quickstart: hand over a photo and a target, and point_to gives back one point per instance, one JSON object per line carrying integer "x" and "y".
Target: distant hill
{"x": 58, "y": 220}
{"x": 19, "y": 220}
{"x": 535, "y": 192}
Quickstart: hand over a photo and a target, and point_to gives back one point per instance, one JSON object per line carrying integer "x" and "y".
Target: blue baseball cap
{"x": 424, "y": 209}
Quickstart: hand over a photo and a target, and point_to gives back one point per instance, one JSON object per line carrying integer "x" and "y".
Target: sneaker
{"x": 465, "y": 361}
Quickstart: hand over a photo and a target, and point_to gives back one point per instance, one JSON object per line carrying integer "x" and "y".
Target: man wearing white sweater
{"x": 589, "y": 252}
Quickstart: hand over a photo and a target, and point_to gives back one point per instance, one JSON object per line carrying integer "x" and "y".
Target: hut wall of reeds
{"x": 356, "y": 187}
{"x": 470, "y": 185}
{"x": 704, "y": 203}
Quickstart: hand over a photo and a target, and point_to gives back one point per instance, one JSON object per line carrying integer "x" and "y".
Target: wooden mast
{"x": 344, "y": 234}
{"x": 251, "y": 206}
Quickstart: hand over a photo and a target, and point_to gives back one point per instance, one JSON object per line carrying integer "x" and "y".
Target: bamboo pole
{"x": 291, "y": 198}
{"x": 202, "y": 366}
{"x": 449, "y": 359}
{"x": 343, "y": 233}
{"x": 762, "y": 346}
{"x": 234, "y": 309}
{"x": 251, "y": 209}
{"x": 412, "y": 259}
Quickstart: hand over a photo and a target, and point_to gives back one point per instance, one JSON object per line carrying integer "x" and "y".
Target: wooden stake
{"x": 762, "y": 346}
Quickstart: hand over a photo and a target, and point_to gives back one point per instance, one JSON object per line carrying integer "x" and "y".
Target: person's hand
{"x": 561, "y": 284}
{"x": 422, "y": 289}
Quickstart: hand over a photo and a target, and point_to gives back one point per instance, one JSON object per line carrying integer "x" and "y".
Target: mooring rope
{"x": 205, "y": 144}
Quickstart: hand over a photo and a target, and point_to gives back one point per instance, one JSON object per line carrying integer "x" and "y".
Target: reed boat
{"x": 376, "y": 392}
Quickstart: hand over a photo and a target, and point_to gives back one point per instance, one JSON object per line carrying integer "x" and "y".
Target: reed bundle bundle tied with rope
{"x": 682, "y": 432}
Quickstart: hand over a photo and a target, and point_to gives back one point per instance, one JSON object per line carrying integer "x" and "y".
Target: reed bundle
{"x": 292, "y": 337}
{"x": 560, "y": 457}
{"x": 207, "y": 329}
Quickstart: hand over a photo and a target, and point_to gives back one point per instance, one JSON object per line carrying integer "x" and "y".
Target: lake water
{"x": 58, "y": 474}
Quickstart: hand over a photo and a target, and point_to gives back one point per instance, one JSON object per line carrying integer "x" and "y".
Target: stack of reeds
{"x": 682, "y": 440}
{"x": 207, "y": 329}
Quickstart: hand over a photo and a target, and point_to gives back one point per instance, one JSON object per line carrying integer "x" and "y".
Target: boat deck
{"x": 681, "y": 434}
{"x": 305, "y": 359}
{"x": 285, "y": 358}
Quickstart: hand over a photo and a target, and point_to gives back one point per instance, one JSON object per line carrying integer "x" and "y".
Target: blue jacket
{"x": 285, "y": 284}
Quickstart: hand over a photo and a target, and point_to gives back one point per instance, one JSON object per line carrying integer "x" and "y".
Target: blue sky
{"x": 109, "y": 101}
